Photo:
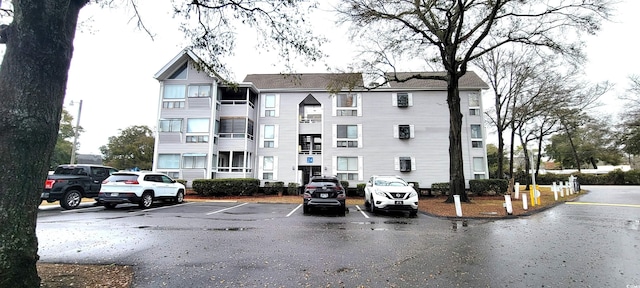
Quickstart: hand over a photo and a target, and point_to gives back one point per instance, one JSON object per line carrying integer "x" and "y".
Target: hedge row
{"x": 226, "y": 187}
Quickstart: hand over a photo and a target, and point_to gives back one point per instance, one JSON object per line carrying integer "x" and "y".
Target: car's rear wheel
{"x": 413, "y": 213}
{"x": 146, "y": 201}
{"x": 305, "y": 209}
{"x": 109, "y": 206}
{"x": 71, "y": 199}
{"x": 179, "y": 197}
{"x": 342, "y": 211}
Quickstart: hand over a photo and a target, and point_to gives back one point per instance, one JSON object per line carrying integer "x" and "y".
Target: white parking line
{"x": 79, "y": 210}
{"x": 294, "y": 210}
{"x": 225, "y": 209}
{"x": 362, "y": 211}
{"x": 166, "y": 206}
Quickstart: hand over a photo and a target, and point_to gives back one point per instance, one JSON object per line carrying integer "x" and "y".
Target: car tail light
{"x": 306, "y": 195}
{"x": 105, "y": 181}
{"x": 131, "y": 182}
{"x": 49, "y": 184}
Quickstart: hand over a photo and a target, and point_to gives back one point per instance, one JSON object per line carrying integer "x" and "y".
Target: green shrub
{"x": 182, "y": 181}
{"x": 344, "y": 184}
{"x": 292, "y": 188}
{"x": 360, "y": 189}
{"x": 483, "y": 187}
{"x": 226, "y": 186}
{"x": 440, "y": 188}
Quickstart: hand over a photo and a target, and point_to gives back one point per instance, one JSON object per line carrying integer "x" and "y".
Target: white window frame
{"x": 198, "y": 94}
{"x": 336, "y": 139}
{"x": 357, "y": 108}
{"x": 394, "y": 99}
{"x": 263, "y": 139}
{"x": 177, "y": 94}
{"x": 262, "y": 169}
{"x": 360, "y": 164}
{"x": 270, "y": 111}
{"x": 176, "y": 160}
{"x": 396, "y": 131}
{"x": 471, "y": 131}
{"x": 173, "y": 128}
{"x": 396, "y": 163}
{"x": 196, "y": 161}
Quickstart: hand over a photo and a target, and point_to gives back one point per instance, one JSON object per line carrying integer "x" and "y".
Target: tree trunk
{"x": 500, "y": 172}
{"x": 456, "y": 168}
{"x": 33, "y": 79}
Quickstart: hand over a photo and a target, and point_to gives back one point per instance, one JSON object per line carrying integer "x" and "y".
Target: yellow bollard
{"x": 538, "y": 195}
{"x": 532, "y": 195}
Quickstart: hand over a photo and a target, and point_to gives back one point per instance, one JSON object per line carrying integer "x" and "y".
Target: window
{"x": 348, "y": 168}
{"x": 474, "y": 111}
{"x": 197, "y": 139}
{"x": 172, "y": 174}
{"x": 478, "y": 168}
{"x": 404, "y": 164}
{"x": 474, "y": 100}
{"x": 402, "y": 99}
{"x": 347, "y": 105}
{"x": 199, "y": 90}
{"x": 404, "y": 131}
{"x": 268, "y": 167}
{"x": 168, "y": 161}
{"x": 269, "y": 136}
{"x": 191, "y": 161}
{"x": 476, "y": 144}
{"x": 233, "y": 127}
{"x": 173, "y": 91}
{"x": 310, "y": 144}
{"x": 234, "y": 161}
{"x": 270, "y": 105}
{"x": 476, "y": 131}
{"x": 181, "y": 73}
{"x": 347, "y": 135}
{"x": 172, "y": 104}
{"x": 198, "y": 125}
{"x": 170, "y": 125}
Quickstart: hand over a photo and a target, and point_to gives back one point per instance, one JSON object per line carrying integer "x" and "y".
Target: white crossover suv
{"x": 390, "y": 193}
{"x": 140, "y": 188}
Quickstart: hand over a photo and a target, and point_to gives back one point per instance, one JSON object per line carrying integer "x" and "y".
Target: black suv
{"x": 324, "y": 192}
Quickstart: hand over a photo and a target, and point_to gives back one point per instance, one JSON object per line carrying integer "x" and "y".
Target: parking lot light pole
{"x": 75, "y": 138}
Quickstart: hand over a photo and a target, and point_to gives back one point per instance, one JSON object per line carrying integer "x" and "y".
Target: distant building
{"x": 286, "y": 128}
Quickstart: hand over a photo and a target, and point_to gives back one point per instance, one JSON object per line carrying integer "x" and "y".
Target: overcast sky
{"x": 114, "y": 63}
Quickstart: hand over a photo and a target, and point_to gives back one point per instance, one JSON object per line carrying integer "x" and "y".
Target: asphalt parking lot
{"x": 223, "y": 244}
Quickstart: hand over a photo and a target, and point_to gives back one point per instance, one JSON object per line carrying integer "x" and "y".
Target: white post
{"x": 561, "y": 188}
{"x": 456, "y": 200}
{"x": 524, "y": 201}
{"x": 554, "y": 188}
{"x": 571, "y": 186}
{"x": 516, "y": 188}
{"x": 566, "y": 185}
{"x": 507, "y": 200}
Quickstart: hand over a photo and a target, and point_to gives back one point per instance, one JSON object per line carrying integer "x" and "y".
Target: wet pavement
{"x": 590, "y": 243}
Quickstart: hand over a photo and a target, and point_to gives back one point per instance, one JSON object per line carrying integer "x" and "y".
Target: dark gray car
{"x": 324, "y": 193}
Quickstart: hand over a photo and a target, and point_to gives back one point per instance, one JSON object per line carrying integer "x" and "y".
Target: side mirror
{"x": 368, "y": 184}
{"x": 411, "y": 184}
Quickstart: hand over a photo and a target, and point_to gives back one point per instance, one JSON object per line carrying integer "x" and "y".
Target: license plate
{"x": 324, "y": 195}
{"x": 114, "y": 194}
{"x": 399, "y": 203}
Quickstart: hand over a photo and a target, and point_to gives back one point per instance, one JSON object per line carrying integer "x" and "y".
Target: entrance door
{"x": 308, "y": 171}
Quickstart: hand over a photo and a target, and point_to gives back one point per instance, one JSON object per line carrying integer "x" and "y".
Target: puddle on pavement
{"x": 227, "y": 229}
{"x": 457, "y": 223}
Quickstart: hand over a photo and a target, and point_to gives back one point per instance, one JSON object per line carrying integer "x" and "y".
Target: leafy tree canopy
{"x": 132, "y": 148}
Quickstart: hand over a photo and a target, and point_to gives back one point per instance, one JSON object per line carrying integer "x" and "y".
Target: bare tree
{"x": 453, "y": 33}
{"x": 33, "y": 78}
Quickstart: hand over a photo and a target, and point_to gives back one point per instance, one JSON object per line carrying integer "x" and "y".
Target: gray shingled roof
{"x": 469, "y": 80}
{"x": 321, "y": 81}
{"x": 337, "y": 81}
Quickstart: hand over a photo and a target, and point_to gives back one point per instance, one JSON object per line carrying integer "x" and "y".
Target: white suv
{"x": 390, "y": 193}
{"x": 141, "y": 188}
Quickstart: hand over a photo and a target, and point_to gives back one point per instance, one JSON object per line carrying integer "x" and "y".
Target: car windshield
{"x": 324, "y": 182}
{"x": 390, "y": 182}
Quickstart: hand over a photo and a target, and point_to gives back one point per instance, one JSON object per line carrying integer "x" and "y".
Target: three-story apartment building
{"x": 286, "y": 128}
